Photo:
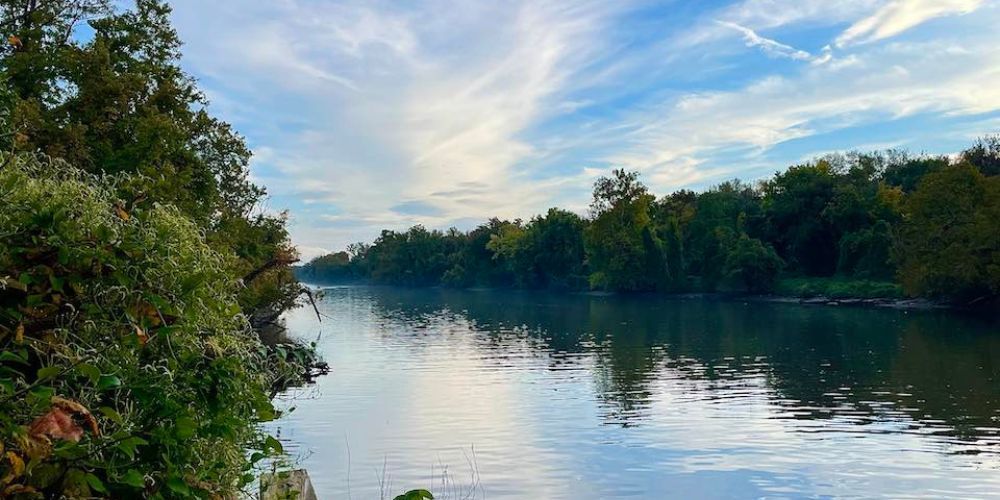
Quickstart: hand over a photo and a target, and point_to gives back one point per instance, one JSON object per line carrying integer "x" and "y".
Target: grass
{"x": 838, "y": 288}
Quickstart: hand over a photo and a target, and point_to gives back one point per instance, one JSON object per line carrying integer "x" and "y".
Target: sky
{"x": 366, "y": 115}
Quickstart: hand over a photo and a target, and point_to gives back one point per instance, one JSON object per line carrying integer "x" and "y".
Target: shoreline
{"x": 898, "y": 303}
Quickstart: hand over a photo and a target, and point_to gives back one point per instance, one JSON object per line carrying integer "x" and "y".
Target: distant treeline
{"x": 929, "y": 223}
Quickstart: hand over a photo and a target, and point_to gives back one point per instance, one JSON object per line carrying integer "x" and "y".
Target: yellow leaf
{"x": 141, "y": 335}
{"x": 121, "y": 213}
{"x": 16, "y": 467}
{"x": 19, "y": 333}
{"x": 18, "y": 489}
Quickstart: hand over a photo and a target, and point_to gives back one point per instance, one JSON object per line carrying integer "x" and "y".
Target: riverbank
{"x": 789, "y": 292}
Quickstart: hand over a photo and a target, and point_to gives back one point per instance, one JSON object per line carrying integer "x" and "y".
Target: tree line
{"x": 929, "y": 224}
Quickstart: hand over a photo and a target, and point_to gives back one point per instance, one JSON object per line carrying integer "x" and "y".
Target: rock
{"x": 281, "y": 485}
{"x": 815, "y": 300}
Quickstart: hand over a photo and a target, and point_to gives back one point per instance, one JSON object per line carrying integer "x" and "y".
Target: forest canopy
{"x": 930, "y": 224}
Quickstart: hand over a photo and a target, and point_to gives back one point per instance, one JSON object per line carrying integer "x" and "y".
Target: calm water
{"x": 517, "y": 395}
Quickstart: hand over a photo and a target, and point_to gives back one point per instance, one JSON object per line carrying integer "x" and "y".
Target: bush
{"x": 838, "y": 288}
{"x": 754, "y": 263}
{"x": 126, "y": 366}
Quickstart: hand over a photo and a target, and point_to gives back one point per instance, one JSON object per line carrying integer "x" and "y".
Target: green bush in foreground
{"x": 126, "y": 366}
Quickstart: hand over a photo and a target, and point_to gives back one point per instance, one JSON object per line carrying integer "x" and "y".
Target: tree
{"x": 550, "y": 252}
{"x": 753, "y": 263}
{"x": 119, "y": 102}
{"x": 720, "y": 214}
{"x": 794, "y": 201}
{"x": 619, "y": 241}
{"x": 949, "y": 243}
{"x": 984, "y": 155}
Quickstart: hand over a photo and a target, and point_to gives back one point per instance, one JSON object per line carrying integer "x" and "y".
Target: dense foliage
{"x": 131, "y": 282}
{"x": 840, "y": 224}
{"x": 117, "y": 101}
{"x": 126, "y": 366}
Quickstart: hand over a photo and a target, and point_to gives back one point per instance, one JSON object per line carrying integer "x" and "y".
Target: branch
{"x": 271, "y": 264}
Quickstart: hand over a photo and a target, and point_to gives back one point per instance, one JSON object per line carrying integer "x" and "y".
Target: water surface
{"x": 522, "y": 395}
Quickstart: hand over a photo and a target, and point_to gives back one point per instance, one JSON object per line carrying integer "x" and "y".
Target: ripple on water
{"x": 542, "y": 396}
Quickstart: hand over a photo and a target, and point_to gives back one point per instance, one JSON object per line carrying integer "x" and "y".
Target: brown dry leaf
{"x": 15, "y": 41}
{"x": 149, "y": 314}
{"x": 19, "y": 489}
{"x": 19, "y": 333}
{"x": 56, "y": 424}
{"x": 59, "y": 422}
{"x": 121, "y": 213}
{"x": 79, "y": 410}
{"x": 15, "y": 284}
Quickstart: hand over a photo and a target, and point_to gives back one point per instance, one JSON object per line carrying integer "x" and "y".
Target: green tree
{"x": 984, "y": 155}
{"x": 118, "y": 102}
{"x": 753, "y": 263}
{"x": 949, "y": 243}
{"x": 619, "y": 240}
{"x": 793, "y": 201}
{"x": 720, "y": 214}
{"x": 550, "y": 252}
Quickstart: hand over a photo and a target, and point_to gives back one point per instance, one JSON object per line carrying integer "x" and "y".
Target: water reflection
{"x": 610, "y": 396}
{"x": 936, "y": 367}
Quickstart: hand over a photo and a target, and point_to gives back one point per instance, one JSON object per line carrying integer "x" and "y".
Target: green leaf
{"x": 106, "y": 382}
{"x": 57, "y": 283}
{"x": 271, "y": 444}
{"x": 7, "y": 385}
{"x": 89, "y": 371}
{"x": 177, "y": 485}
{"x": 13, "y": 357}
{"x": 48, "y": 372}
{"x": 128, "y": 445}
{"x": 186, "y": 427}
{"x": 63, "y": 255}
{"x": 133, "y": 478}
{"x": 111, "y": 414}
{"x": 95, "y": 483}
{"x": 415, "y": 495}
{"x": 42, "y": 394}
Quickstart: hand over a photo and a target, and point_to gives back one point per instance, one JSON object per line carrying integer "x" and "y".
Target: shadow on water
{"x": 937, "y": 369}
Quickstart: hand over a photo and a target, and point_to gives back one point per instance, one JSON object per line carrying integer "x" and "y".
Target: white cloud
{"x": 359, "y": 110}
{"x": 307, "y": 253}
{"x": 771, "y": 47}
{"x": 673, "y": 141}
{"x": 900, "y": 15}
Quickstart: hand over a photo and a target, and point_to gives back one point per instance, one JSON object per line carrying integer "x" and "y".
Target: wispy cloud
{"x": 900, "y": 15}
{"x": 367, "y": 114}
{"x": 771, "y": 47}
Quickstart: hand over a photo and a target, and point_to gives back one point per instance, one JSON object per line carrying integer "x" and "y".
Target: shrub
{"x": 838, "y": 288}
{"x": 754, "y": 263}
{"x": 126, "y": 366}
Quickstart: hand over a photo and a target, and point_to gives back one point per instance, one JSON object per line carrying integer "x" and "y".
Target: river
{"x": 486, "y": 394}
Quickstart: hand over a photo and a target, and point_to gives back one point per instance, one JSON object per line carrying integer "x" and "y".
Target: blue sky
{"x": 368, "y": 114}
